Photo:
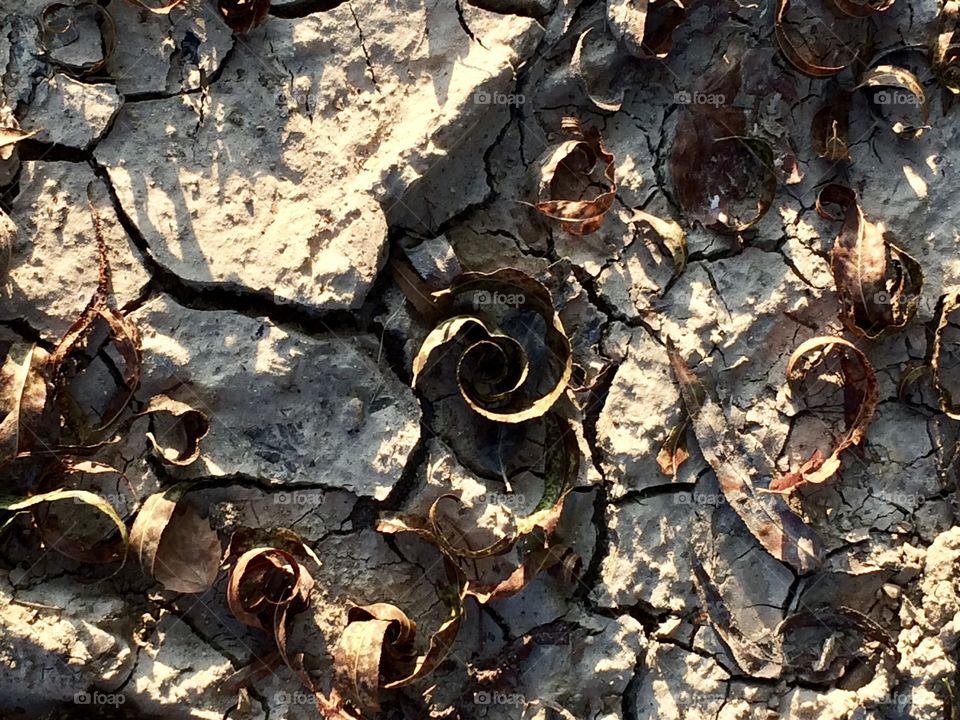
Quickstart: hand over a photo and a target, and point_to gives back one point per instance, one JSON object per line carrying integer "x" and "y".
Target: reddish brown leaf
{"x": 174, "y": 545}
{"x": 878, "y": 283}
{"x": 861, "y": 397}
{"x": 568, "y": 176}
{"x": 714, "y": 166}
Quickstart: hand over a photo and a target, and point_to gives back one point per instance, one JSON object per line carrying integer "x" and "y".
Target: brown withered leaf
{"x": 831, "y": 128}
{"x": 673, "y": 453}
{"x": 861, "y": 396}
{"x": 378, "y": 639}
{"x": 9, "y": 137}
{"x": 668, "y": 235}
{"x": 58, "y": 23}
{"x": 948, "y": 402}
{"x": 817, "y": 643}
{"x": 493, "y": 370}
{"x": 23, "y": 397}
{"x": 174, "y": 545}
{"x": 536, "y": 562}
{"x": 181, "y": 428}
{"x": 878, "y": 283}
{"x": 31, "y": 504}
{"x": 243, "y": 15}
{"x": 380, "y": 656}
{"x": 945, "y": 51}
{"x": 713, "y": 164}
{"x": 893, "y": 88}
{"x": 66, "y": 360}
{"x": 568, "y": 177}
{"x": 645, "y": 27}
{"x": 769, "y": 519}
{"x": 85, "y": 541}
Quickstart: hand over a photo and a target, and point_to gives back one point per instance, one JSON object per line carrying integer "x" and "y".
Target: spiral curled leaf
{"x": 714, "y": 165}
{"x": 497, "y": 345}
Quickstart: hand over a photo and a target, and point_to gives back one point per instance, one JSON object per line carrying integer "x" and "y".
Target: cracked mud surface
{"x": 252, "y": 189}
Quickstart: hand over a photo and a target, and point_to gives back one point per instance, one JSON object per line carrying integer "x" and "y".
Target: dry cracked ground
{"x": 258, "y": 191}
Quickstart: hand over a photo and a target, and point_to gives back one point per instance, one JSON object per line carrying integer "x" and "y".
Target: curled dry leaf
{"x": 174, "y": 545}
{"x": 596, "y": 61}
{"x": 31, "y": 504}
{"x": 493, "y": 371}
{"x": 645, "y": 27}
{"x": 180, "y": 429}
{"x": 243, "y": 15}
{"x": 796, "y": 47}
{"x": 376, "y": 650}
{"x": 878, "y": 283}
{"x": 778, "y": 529}
{"x": 861, "y": 396}
{"x": 713, "y": 164}
{"x": 819, "y": 644}
{"x": 945, "y": 53}
{"x": 893, "y": 88}
{"x": 66, "y": 359}
{"x": 23, "y": 397}
{"x": 59, "y": 25}
{"x": 831, "y": 129}
{"x": 569, "y": 175}
{"x": 948, "y": 400}
{"x": 668, "y": 235}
